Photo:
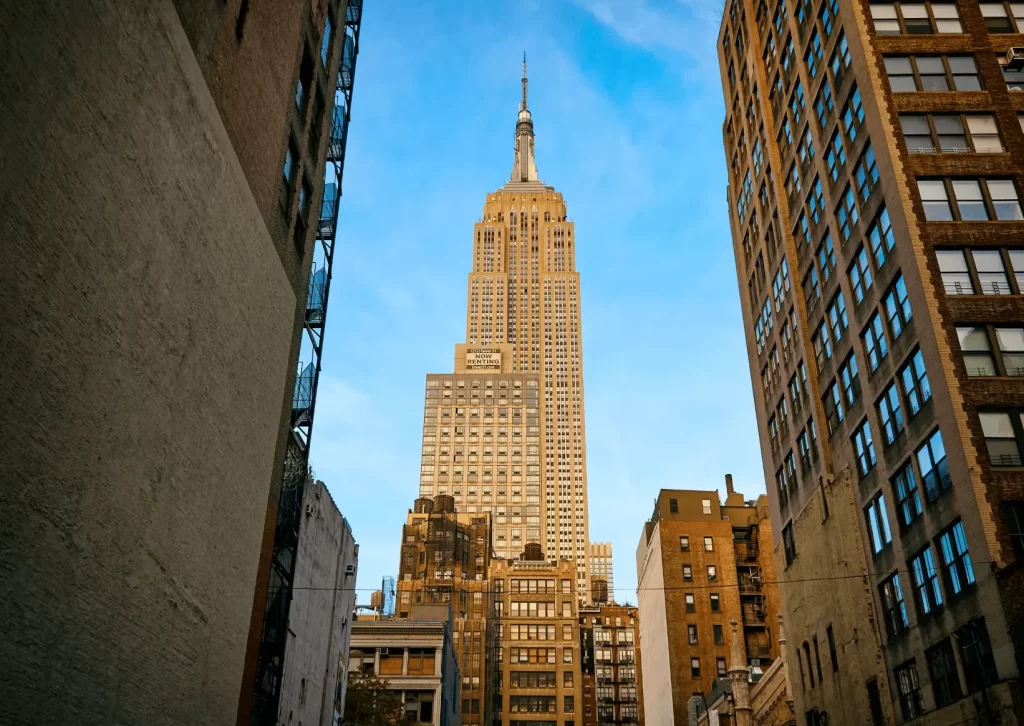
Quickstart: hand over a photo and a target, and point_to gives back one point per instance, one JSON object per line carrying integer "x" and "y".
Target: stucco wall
{"x": 657, "y": 670}
{"x": 319, "y": 624}
{"x": 145, "y": 328}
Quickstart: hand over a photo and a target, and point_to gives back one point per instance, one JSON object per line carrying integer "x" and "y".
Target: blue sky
{"x": 627, "y": 108}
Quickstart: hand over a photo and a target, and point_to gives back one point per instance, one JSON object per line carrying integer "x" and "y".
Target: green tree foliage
{"x": 369, "y": 702}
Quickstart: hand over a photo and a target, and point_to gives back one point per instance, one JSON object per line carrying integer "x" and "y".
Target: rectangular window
{"x": 875, "y": 344}
{"x": 684, "y": 544}
{"x": 908, "y": 497}
{"x": 976, "y": 656}
{"x": 833, "y": 654}
{"x": 956, "y": 560}
{"x": 890, "y": 414}
{"x": 881, "y": 238}
{"x": 1000, "y": 437}
{"x": 925, "y": 577}
{"x": 691, "y": 630}
{"x": 695, "y": 667}
{"x": 722, "y": 670}
{"x": 788, "y": 544}
{"x": 976, "y": 351}
{"x": 956, "y": 277}
{"x": 325, "y": 44}
{"x": 860, "y": 274}
{"x": 712, "y": 573}
{"x": 1013, "y": 516}
{"x": 945, "y": 679}
{"x": 837, "y": 319}
{"x": 893, "y": 607}
{"x": 931, "y": 462}
{"x": 709, "y": 544}
{"x": 897, "y": 306}
{"x": 719, "y": 636}
{"x": 909, "y": 689}
{"x": 691, "y": 604}
{"x": 864, "y": 449}
{"x": 878, "y": 523}
{"x": 849, "y": 379}
{"x": 715, "y": 603}
{"x": 866, "y": 173}
{"x": 687, "y": 573}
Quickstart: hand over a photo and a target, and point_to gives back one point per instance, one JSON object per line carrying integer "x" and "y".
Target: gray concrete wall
{"x": 319, "y": 627}
{"x": 145, "y": 324}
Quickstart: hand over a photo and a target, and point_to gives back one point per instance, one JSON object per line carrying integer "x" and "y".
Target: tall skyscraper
{"x": 876, "y": 158}
{"x": 524, "y": 295}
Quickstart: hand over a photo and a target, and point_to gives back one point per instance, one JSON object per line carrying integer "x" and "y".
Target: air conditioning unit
{"x": 310, "y": 511}
{"x": 1014, "y": 60}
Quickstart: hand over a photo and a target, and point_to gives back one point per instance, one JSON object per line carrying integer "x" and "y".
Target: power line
{"x": 669, "y": 588}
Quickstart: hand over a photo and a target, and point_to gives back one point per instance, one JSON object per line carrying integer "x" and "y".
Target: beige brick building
{"x": 701, "y": 564}
{"x": 875, "y": 157}
{"x": 602, "y": 570}
{"x": 444, "y": 558}
{"x": 539, "y": 653}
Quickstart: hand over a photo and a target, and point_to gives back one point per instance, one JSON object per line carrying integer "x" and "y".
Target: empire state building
{"x": 523, "y": 331}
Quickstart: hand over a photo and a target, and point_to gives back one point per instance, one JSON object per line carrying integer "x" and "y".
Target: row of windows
{"x": 967, "y": 271}
{"x": 712, "y": 573}
{"x": 929, "y": 594}
{"x": 969, "y": 200}
{"x": 974, "y": 653}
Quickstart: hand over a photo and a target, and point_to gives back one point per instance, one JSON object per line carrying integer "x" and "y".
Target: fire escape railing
{"x": 270, "y": 661}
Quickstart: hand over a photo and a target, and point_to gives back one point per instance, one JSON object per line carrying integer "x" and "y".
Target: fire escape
{"x": 752, "y": 599}
{"x": 270, "y": 662}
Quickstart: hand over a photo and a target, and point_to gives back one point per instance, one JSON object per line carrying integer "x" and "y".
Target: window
{"x": 691, "y": 631}
{"x": 833, "y": 655}
{"x": 893, "y": 607}
{"x": 976, "y": 351}
{"x": 837, "y": 319}
{"x": 860, "y": 274}
{"x": 706, "y": 506}
{"x": 864, "y": 449}
{"x": 709, "y": 544}
{"x": 832, "y": 402}
{"x": 945, "y": 679}
{"x": 824, "y": 105}
{"x": 847, "y": 213}
{"x": 691, "y": 604}
{"x": 835, "y": 156}
{"x": 881, "y": 237}
{"x": 874, "y": 342}
{"x": 890, "y": 413}
{"x": 977, "y": 200}
{"x": 932, "y": 73}
{"x": 931, "y": 462}
{"x": 826, "y": 255}
{"x": 878, "y": 523}
{"x": 928, "y": 133}
{"x": 712, "y": 573}
{"x": 866, "y": 173}
{"x": 719, "y": 636}
{"x": 569, "y": 704}
{"x": 908, "y": 497}
{"x": 976, "y": 655}
{"x": 722, "y": 670}
{"x": 684, "y": 544}
{"x": 788, "y": 544}
{"x": 715, "y": 603}
{"x": 695, "y": 667}
{"x": 1000, "y": 438}
{"x": 991, "y": 272}
{"x": 1013, "y": 514}
{"x": 996, "y": 18}
{"x": 897, "y": 306}
{"x": 673, "y": 506}
{"x": 325, "y": 44}
{"x": 925, "y": 577}
{"x": 291, "y": 158}
{"x": 849, "y": 379}
{"x": 687, "y": 573}
{"x": 956, "y": 560}
{"x": 956, "y": 278}
{"x": 821, "y": 344}
{"x": 909, "y": 689}
{"x": 840, "y": 59}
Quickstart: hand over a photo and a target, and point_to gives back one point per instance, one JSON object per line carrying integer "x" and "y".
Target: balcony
{"x": 753, "y": 614}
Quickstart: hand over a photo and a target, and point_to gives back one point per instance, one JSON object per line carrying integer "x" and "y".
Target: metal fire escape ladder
{"x": 270, "y": 661}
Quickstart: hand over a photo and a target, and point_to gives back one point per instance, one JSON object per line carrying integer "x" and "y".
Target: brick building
{"x": 155, "y": 325}
{"x": 609, "y": 665}
{"x": 700, "y": 564}
{"x": 875, "y": 157}
{"x": 445, "y": 557}
{"x": 539, "y": 652}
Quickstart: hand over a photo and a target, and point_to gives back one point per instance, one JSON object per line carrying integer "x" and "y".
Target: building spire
{"x": 522, "y": 105}
{"x": 524, "y": 167}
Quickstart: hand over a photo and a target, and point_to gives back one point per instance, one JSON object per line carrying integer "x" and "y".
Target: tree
{"x": 369, "y": 702}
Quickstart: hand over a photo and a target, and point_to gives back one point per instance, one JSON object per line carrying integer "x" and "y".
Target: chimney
{"x": 728, "y": 484}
